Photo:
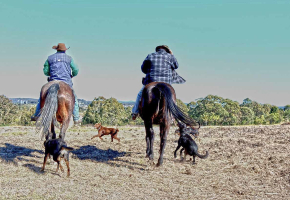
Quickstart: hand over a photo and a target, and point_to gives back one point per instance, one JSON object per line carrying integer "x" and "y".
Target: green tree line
{"x": 211, "y": 110}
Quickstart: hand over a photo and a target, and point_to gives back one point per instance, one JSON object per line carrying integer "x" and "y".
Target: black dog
{"x": 188, "y": 143}
{"x": 187, "y": 130}
{"x": 58, "y": 149}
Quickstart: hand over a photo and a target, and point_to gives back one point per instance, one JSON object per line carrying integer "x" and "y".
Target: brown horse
{"x": 157, "y": 106}
{"x": 57, "y": 102}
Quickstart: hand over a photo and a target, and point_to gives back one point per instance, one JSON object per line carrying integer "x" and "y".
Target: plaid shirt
{"x": 160, "y": 67}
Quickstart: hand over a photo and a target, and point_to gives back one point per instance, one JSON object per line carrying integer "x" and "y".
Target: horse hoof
{"x": 159, "y": 164}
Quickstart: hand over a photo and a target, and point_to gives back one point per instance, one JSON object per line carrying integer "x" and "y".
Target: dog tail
{"x": 172, "y": 107}
{"x": 67, "y": 148}
{"x": 47, "y": 113}
{"x": 202, "y": 156}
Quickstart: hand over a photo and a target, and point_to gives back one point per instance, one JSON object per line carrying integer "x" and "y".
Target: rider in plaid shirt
{"x": 159, "y": 67}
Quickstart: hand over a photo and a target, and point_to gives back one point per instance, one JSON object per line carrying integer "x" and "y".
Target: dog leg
{"x": 44, "y": 162}
{"x": 115, "y": 137}
{"x": 68, "y": 169}
{"x": 57, "y": 166}
{"x": 181, "y": 158}
{"x": 61, "y": 168}
{"x": 176, "y": 150}
{"x": 94, "y": 137}
{"x": 185, "y": 154}
{"x": 193, "y": 158}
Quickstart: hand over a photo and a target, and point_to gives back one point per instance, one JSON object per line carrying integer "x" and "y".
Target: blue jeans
{"x": 76, "y": 114}
{"x": 135, "y": 109}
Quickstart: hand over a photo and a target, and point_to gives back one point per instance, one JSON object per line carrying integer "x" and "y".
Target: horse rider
{"x": 60, "y": 66}
{"x": 159, "y": 67}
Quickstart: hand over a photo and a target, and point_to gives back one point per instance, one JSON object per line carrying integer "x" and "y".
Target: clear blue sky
{"x": 234, "y": 49}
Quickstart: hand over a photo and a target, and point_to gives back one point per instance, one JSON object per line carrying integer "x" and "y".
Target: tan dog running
{"x": 106, "y": 131}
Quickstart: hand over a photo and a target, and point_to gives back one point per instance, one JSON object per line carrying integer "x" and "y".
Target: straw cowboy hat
{"x": 165, "y": 47}
{"x": 60, "y": 47}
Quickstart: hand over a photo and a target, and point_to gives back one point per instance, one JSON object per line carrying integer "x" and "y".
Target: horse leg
{"x": 50, "y": 134}
{"x": 63, "y": 128}
{"x": 149, "y": 139}
{"x": 163, "y": 137}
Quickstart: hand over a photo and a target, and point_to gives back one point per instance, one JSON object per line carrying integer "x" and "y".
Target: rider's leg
{"x": 135, "y": 109}
{"x": 37, "y": 111}
{"x": 76, "y": 115}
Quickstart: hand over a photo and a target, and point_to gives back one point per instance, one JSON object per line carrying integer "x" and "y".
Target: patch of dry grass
{"x": 247, "y": 162}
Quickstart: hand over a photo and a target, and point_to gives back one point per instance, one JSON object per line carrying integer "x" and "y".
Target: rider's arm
{"x": 175, "y": 63}
{"x": 145, "y": 67}
{"x": 74, "y": 68}
{"x": 46, "y": 68}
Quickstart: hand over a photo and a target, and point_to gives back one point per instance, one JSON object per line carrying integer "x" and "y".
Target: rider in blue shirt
{"x": 60, "y": 66}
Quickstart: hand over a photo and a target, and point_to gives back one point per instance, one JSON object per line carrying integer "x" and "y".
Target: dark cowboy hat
{"x": 165, "y": 47}
{"x": 60, "y": 47}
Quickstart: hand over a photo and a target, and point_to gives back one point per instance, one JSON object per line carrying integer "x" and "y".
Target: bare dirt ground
{"x": 247, "y": 162}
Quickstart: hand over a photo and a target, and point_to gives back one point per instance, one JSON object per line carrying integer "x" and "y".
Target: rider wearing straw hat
{"x": 159, "y": 67}
{"x": 60, "y": 66}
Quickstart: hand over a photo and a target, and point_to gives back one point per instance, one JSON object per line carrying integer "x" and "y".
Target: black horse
{"x": 157, "y": 106}
{"x": 57, "y": 102}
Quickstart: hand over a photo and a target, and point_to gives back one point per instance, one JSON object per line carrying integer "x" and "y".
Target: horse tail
{"x": 48, "y": 112}
{"x": 177, "y": 113}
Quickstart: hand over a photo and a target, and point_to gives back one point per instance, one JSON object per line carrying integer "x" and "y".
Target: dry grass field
{"x": 246, "y": 162}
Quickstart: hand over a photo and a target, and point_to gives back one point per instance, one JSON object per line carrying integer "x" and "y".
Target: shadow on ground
{"x": 92, "y": 153}
{"x": 10, "y": 153}
{"x": 13, "y": 154}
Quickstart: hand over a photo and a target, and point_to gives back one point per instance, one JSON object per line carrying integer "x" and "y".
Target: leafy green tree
{"x": 287, "y": 107}
{"x": 247, "y": 116}
{"x": 286, "y": 115}
{"x": 274, "y": 109}
{"x": 24, "y": 115}
{"x": 106, "y": 111}
{"x": 182, "y": 106}
{"x": 260, "y": 120}
{"x": 209, "y": 110}
{"x": 255, "y": 106}
{"x": 8, "y": 111}
{"x": 274, "y": 118}
{"x": 234, "y": 112}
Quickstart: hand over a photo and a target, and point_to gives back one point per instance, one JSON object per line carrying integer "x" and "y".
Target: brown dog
{"x": 106, "y": 131}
